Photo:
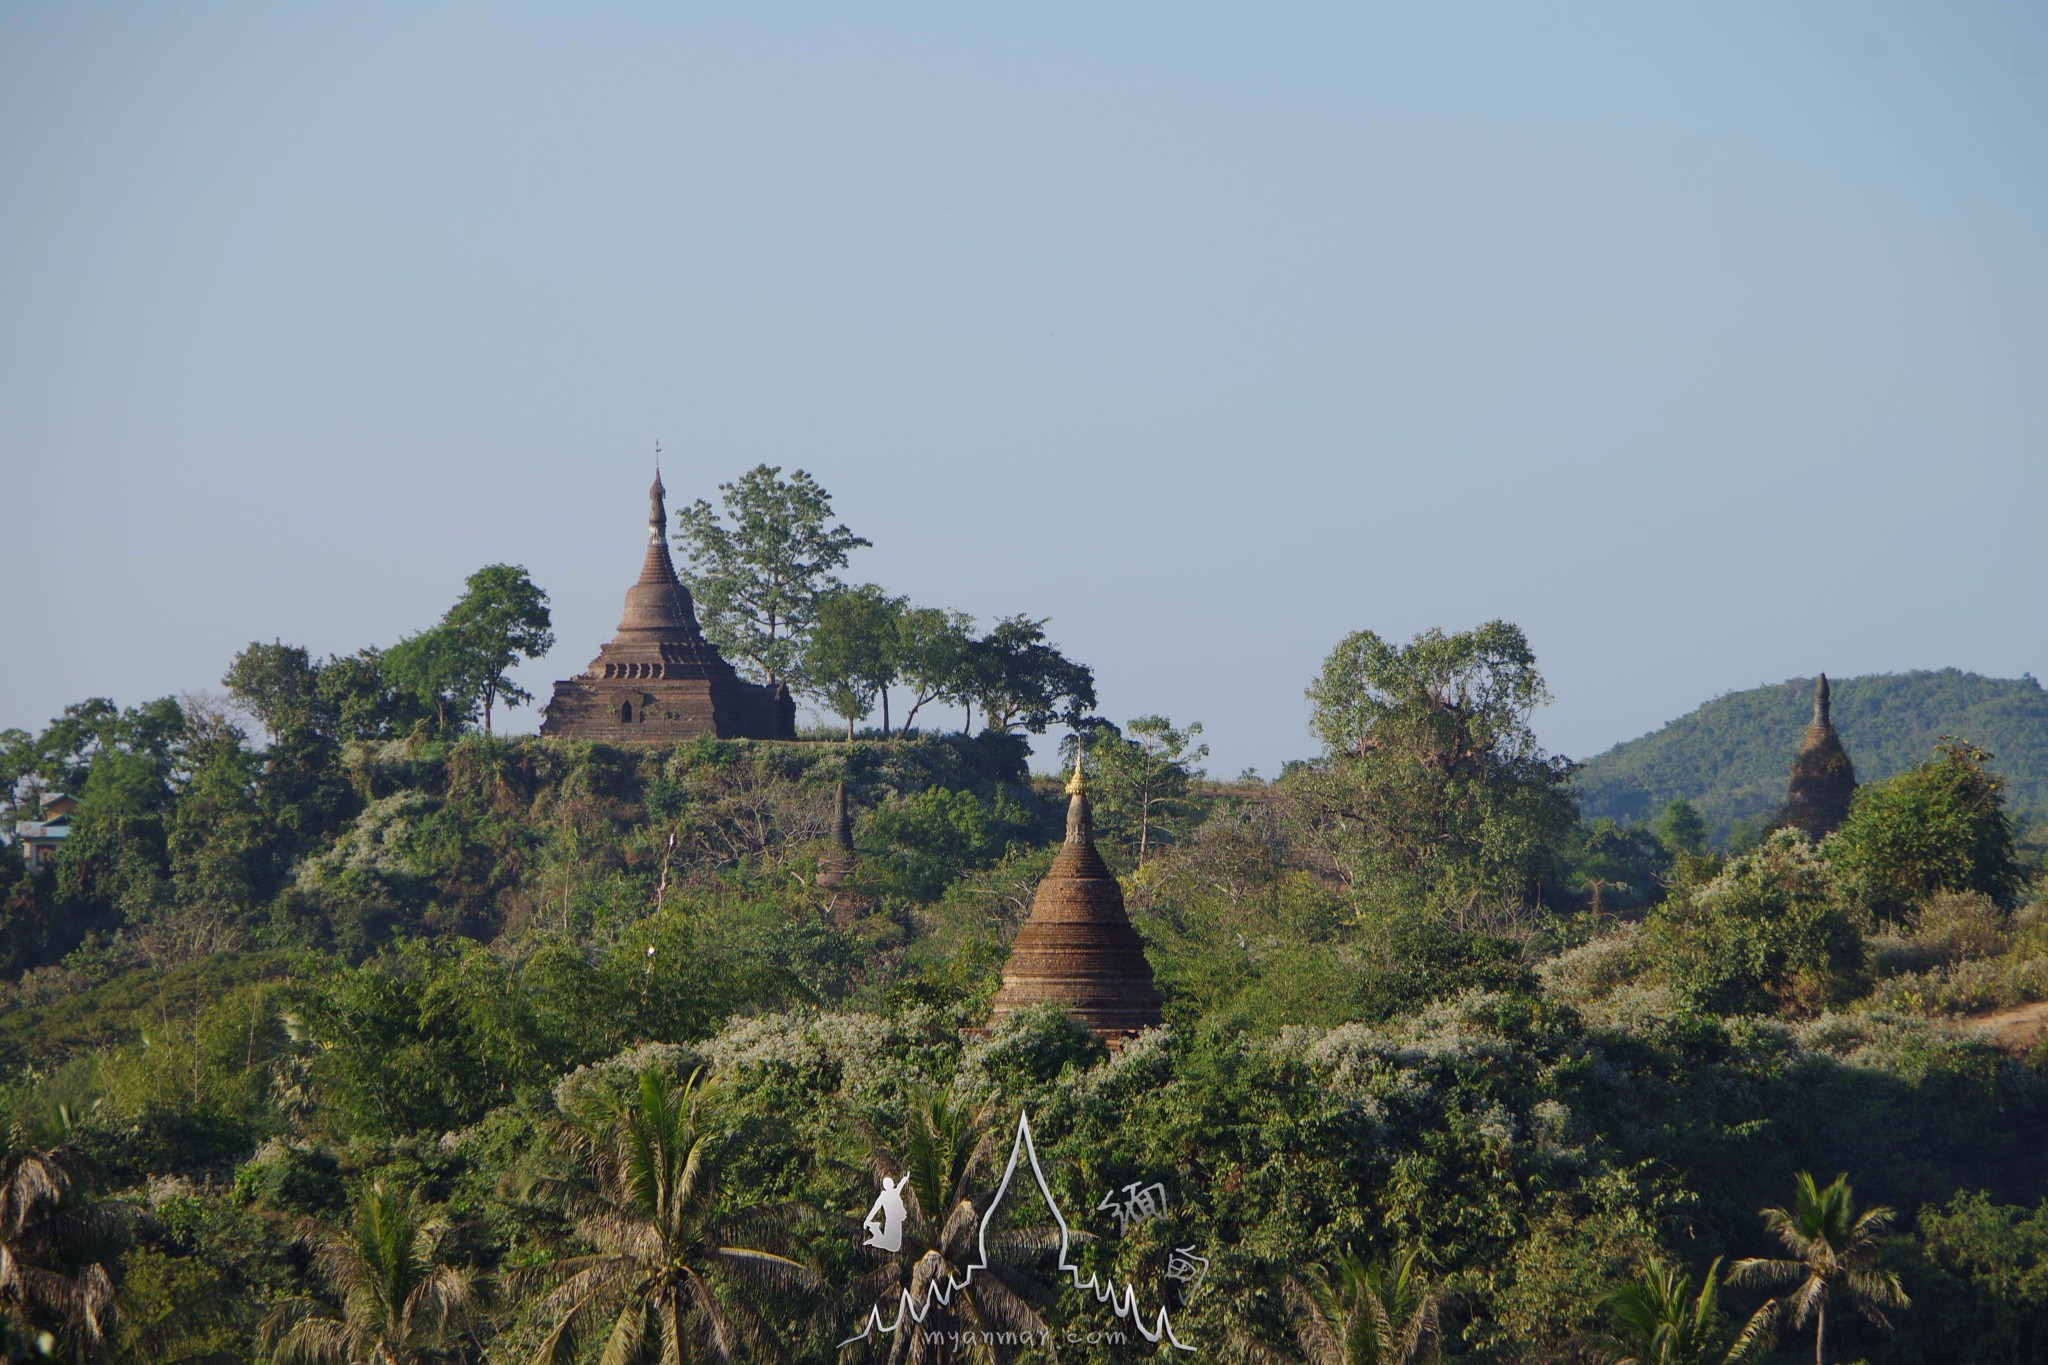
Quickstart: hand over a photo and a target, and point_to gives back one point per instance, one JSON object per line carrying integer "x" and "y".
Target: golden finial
{"x": 1077, "y": 785}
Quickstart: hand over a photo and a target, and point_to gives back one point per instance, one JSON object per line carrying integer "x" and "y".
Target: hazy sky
{"x": 1708, "y": 343}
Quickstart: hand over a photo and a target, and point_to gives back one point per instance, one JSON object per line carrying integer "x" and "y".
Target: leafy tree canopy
{"x": 461, "y": 667}
{"x": 758, "y": 571}
{"x": 1940, "y": 826}
{"x": 1431, "y": 774}
{"x": 1023, "y": 682}
{"x": 853, "y": 653}
{"x": 1140, "y": 778}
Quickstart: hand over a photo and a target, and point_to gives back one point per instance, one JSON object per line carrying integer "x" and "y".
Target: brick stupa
{"x": 1823, "y": 779}
{"x": 660, "y": 680}
{"x": 1078, "y": 949}
{"x": 843, "y": 903}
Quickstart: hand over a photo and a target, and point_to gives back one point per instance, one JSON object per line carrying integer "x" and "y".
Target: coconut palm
{"x": 943, "y": 1160}
{"x": 44, "y": 1219}
{"x": 399, "y": 1303}
{"x": 1834, "y": 1252}
{"x": 1659, "y": 1320}
{"x": 1357, "y": 1313}
{"x": 670, "y": 1279}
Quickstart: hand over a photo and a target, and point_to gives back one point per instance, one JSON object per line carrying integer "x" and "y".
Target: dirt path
{"x": 2016, "y": 1029}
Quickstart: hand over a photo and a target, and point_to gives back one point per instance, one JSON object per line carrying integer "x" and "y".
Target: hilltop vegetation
{"x": 1730, "y": 758}
{"x": 290, "y": 1006}
{"x": 371, "y": 1036}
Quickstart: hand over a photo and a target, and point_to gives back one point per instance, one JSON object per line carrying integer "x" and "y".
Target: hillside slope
{"x": 1731, "y": 757}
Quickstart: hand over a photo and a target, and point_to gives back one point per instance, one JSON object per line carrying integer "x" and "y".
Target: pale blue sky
{"x": 1708, "y": 343}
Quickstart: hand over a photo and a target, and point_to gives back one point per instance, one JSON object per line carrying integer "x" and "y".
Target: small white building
{"x": 41, "y": 839}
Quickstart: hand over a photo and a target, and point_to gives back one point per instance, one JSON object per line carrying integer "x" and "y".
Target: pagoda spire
{"x": 1820, "y": 701}
{"x": 1080, "y": 814}
{"x": 657, "y": 502}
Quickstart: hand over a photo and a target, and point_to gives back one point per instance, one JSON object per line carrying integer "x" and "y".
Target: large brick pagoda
{"x": 660, "y": 680}
{"x": 1078, "y": 949}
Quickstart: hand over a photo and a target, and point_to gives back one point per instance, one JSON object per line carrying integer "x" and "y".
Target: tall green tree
{"x": 758, "y": 577}
{"x": 1618, "y": 866}
{"x": 1023, "y": 682}
{"x": 65, "y": 750}
{"x": 359, "y": 701}
{"x": 1940, "y": 826}
{"x": 672, "y": 1278}
{"x": 435, "y": 671}
{"x": 279, "y": 684}
{"x": 1682, "y": 829}
{"x": 461, "y": 668}
{"x": 304, "y": 703}
{"x": 113, "y": 863}
{"x": 399, "y": 1302}
{"x": 1431, "y": 777}
{"x": 300, "y": 789}
{"x": 1835, "y": 1255}
{"x": 1140, "y": 777}
{"x": 934, "y": 657}
{"x": 1658, "y": 1319}
{"x": 20, "y": 787}
{"x": 224, "y": 857}
{"x": 500, "y": 619}
{"x": 853, "y": 653}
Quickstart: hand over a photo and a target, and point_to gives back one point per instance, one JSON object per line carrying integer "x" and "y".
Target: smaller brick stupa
{"x": 660, "y": 680}
{"x": 835, "y": 869}
{"x": 1078, "y": 949}
{"x": 1823, "y": 778}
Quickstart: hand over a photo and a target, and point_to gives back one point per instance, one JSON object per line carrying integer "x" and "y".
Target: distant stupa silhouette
{"x": 1823, "y": 779}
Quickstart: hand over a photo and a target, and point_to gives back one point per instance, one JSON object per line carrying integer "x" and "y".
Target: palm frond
{"x": 1760, "y": 1270}
{"x": 1757, "y": 1335}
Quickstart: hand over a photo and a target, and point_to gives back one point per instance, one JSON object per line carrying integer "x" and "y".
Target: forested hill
{"x": 1730, "y": 758}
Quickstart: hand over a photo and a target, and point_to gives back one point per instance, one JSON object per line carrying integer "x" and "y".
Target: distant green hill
{"x": 1732, "y": 756}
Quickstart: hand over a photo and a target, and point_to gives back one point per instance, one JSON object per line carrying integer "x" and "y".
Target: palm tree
{"x": 1357, "y": 1313}
{"x": 1658, "y": 1320}
{"x": 1834, "y": 1251}
{"x": 399, "y": 1304}
{"x": 942, "y": 1160}
{"x": 669, "y": 1280}
{"x": 40, "y": 1222}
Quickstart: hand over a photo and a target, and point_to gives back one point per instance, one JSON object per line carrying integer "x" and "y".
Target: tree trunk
{"x": 1820, "y": 1334}
{"x": 885, "y": 712}
{"x": 849, "y": 729}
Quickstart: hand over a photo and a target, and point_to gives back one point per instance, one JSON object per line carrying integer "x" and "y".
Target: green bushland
{"x": 437, "y": 999}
